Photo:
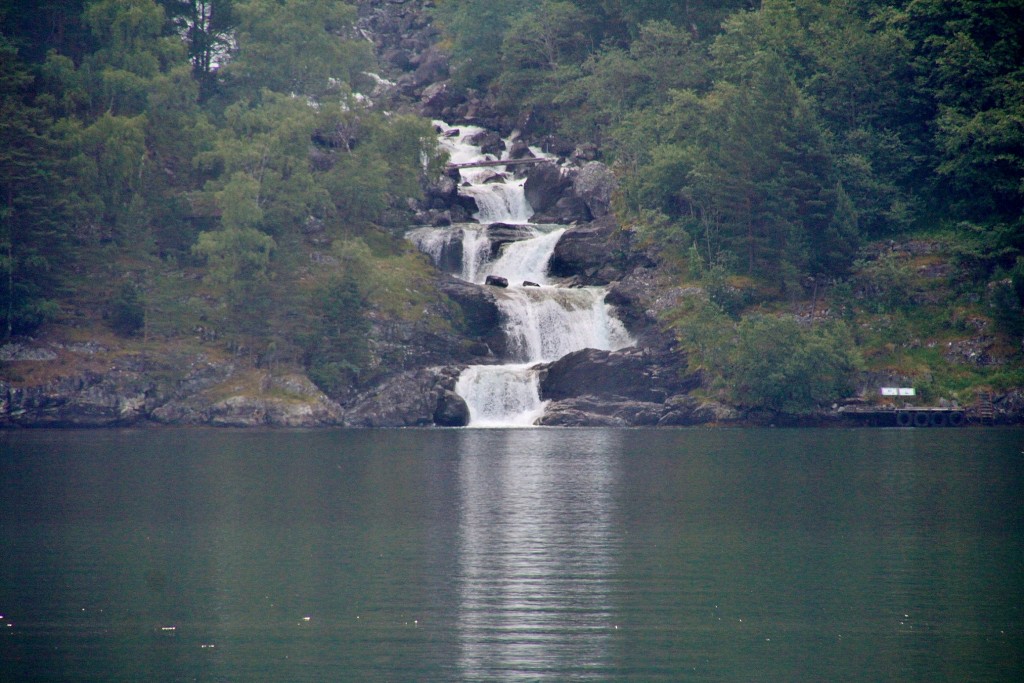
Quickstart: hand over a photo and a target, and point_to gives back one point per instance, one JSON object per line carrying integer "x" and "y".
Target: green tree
{"x": 132, "y": 49}
{"x": 781, "y": 365}
{"x": 302, "y": 47}
{"x": 338, "y": 353}
{"x": 765, "y": 185}
{"x": 474, "y": 29}
{"x": 127, "y": 311}
{"x": 268, "y": 141}
{"x": 106, "y": 159}
{"x": 207, "y": 27}
{"x": 33, "y": 242}
{"x": 969, "y": 58}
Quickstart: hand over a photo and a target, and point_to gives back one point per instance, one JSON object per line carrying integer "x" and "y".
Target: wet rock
{"x": 480, "y": 315}
{"x": 520, "y": 150}
{"x": 451, "y": 411}
{"x": 584, "y": 250}
{"x": 546, "y": 183}
{"x": 488, "y": 141}
{"x": 496, "y": 281}
{"x": 441, "y": 192}
{"x": 590, "y": 411}
{"x": 595, "y": 185}
{"x": 622, "y": 374}
{"x": 408, "y": 399}
{"x": 683, "y": 411}
{"x": 500, "y": 234}
{"x": 567, "y": 210}
{"x": 565, "y": 415}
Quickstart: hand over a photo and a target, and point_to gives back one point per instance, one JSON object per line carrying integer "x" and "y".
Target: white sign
{"x": 897, "y": 391}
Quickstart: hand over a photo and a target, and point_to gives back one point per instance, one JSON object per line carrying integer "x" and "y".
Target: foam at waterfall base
{"x": 501, "y": 395}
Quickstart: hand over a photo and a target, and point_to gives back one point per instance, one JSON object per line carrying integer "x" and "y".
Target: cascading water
{"x": 542, "y": 321}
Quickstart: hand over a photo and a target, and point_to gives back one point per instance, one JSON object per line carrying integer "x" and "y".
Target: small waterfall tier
{"x": 499, "y": 198}
{"x": 541, "y": 319}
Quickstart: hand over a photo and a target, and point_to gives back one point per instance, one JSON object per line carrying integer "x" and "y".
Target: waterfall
{"x": 542, "y": 323}
{"x": 526, "y": 260}
{"x": 500, "y": 202}
{"x": 499, "y": 199}
{"x": 501, "y": 395}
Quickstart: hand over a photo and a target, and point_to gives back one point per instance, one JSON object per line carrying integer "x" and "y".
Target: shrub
{"x": 127, "y": 314}
{"x": 782, "y": 365}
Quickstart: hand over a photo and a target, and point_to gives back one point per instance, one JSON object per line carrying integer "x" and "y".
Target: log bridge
{"x": 907, "y": 416}
{"x": 495, "y": 162}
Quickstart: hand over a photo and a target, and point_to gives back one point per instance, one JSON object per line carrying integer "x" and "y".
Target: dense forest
{"x": 218, "y": 172}
{"x": 163, "y": 162}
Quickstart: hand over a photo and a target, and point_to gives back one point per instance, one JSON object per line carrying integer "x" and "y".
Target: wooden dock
{"x": 907, "y": 416}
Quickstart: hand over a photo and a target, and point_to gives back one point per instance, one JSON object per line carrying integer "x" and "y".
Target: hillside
{"x": 791, "y": 205}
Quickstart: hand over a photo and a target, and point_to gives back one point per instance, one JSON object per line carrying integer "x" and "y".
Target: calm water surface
{"x": 508, "y": 555}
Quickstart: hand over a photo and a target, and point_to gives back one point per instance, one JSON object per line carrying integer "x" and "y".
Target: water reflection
{"x": 537, "y": 550}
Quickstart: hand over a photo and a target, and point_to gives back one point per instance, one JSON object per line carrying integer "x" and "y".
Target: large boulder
{"x": 619, "y": 374}
{"x": 644, "y": 296}
{"x": 441, "y": 193}
{"x": 253, "y": 398}
{"x": 438, "y": 99}
{"x": 546, "y": 183}
{"x": 408, "y": 399}
{"x": 591, "y": 252}
{"x": 480, "y": 315}
{"x": 451, "y": 410}
{"x": 500, "y": 234}
{"x": 684, "y": 411}
{"x": 520, "y": 150}
{"x": 433, "y": 66}
{"x": 488, "y": 141}
{"x": 594, "y": 184}
{"x": 415, "y": 398}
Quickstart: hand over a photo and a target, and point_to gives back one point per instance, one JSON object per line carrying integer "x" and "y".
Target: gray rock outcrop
{"x": 594, "y": 184}
{"x": 415, "y": 398}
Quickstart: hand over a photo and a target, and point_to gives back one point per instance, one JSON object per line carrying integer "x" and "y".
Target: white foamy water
{"x": 526, "y": 260}
{"x": 501, "y": 201}
{"x": 541, "y": 324}
{"x": 544, "y": 324}
{"x": 501, "y": 395}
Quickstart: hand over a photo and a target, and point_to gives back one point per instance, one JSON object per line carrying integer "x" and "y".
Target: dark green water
{"x": 532, "y": 555}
